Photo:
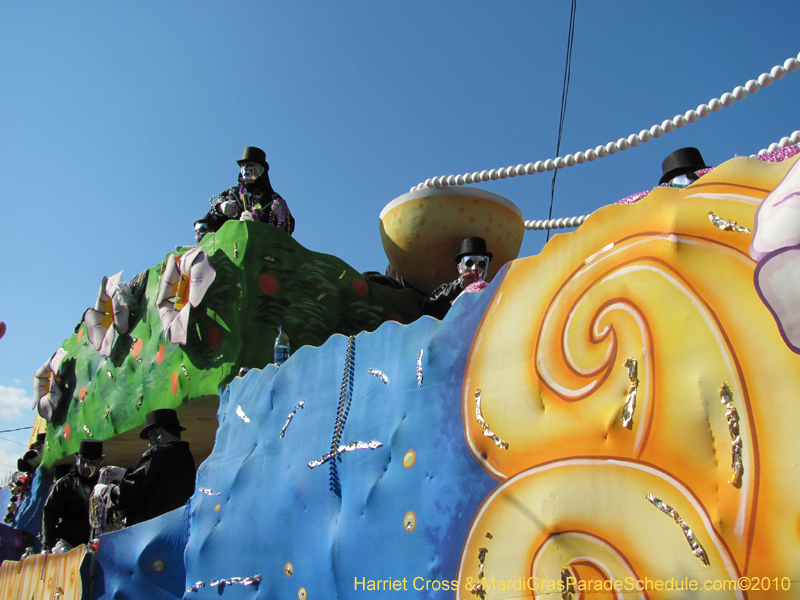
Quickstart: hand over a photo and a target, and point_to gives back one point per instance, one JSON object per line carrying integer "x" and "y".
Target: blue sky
{"x": 119, "y": 120}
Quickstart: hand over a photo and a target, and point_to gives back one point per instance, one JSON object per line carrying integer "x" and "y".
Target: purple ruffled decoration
{"x": 780, "y": 155}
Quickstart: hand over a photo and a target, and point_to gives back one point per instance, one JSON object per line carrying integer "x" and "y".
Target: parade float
{"x": 614, "y": 417}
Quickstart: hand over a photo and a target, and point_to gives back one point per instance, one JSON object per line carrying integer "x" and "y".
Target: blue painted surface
{"x": 29, "y": 513}
{"x": 126, "y": 560}
{"x": 264, "y": 507}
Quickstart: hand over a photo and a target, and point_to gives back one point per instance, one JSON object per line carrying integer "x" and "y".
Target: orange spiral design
{"x": 659, "y": 282}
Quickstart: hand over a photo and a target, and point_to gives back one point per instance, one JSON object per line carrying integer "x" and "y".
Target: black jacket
{"x": 439, "y": 301}
{"x": 66, "y": 511}
{"x": 163, "y": 480}
{"x": 273, "y": 208}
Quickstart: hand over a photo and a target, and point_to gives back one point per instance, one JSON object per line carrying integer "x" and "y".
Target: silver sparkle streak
{"x": 291, "y": 416}
{"x": 254, "y": 580}
{"x": 240, "y": 412}
{"x": 486, "y": 431}
{"x": 342, "y": 449}
{"x": 697, "y": 549}
{"x": 379, "y": 375}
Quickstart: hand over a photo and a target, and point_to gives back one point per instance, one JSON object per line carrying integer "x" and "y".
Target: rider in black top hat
{"x": 165, "y": 476}
{"x": 252, "y": 200}
{"x": 680, "y": 168}
{"x": 31, "y": 459}
{"x": 66, "y": 510}
{"x": 472, "y": 262}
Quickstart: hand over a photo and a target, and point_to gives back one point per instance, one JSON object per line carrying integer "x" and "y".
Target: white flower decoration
{"x": 46, "y": 391}
{"x": 110, "y": 314}
{"x": 183, "y": 286}
{"x": 776, "y": 247}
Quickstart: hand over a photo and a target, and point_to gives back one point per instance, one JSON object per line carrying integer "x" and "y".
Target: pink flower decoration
{"x": 110, "y": 314}
{"x": 46, "y": 391}
{"x": 183, "y": 286}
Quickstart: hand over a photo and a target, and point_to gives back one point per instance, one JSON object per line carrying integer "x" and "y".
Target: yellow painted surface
{"x": 422, "y": 232}
{"x": 59, "y": 579}
{"x": 658, "y": 282}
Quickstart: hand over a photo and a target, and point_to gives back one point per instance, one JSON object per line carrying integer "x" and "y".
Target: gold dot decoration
{"x": 410, "y": 521}
{"x": 217, "y": 507}
{"x": 288, "y": 568}
{"x": 301, "y": 594}
{"x": 409, "y": 459}
{"x": 157, "y": 565}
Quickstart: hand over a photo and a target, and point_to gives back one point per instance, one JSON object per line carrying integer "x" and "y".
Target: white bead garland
{"x": 645, "y": 135}
{"x": 784, "y": 143}
{"x": 560, "y": 223}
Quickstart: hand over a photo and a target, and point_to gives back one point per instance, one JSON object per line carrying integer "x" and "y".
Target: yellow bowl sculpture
{"x": 422, "y": 231}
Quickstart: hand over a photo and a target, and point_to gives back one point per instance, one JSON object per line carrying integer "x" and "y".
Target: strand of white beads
{"x": 784, "y": 143}
{"x": 644, "y": 136}
{"x": 562, "y": 223}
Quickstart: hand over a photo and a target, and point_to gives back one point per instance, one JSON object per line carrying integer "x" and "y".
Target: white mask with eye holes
{"x": 472, "y": 269}
{"x": 251, "y": 171}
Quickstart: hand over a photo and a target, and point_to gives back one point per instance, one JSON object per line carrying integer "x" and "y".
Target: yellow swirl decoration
{"x": 590, "y": 516}
{"x": 657, "y": 282}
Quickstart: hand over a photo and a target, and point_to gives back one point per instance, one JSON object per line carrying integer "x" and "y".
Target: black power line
{"x": 564, "y": 93}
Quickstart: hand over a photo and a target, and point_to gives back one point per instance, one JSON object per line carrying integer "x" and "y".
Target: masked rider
{"x": 164, "y": 478}
{"x": 252, "y": 200}
{"x": 65, "y": 517}
{"x": 472, "y": 263}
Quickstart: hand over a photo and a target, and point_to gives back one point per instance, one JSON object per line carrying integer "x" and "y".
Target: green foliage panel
{"x": 264, "y": 279}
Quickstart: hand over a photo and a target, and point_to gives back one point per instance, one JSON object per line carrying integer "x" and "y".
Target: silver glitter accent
{"x": 241, "y": 414}
{"x": 291, "y": 416}
{"x": 726, "y": 398}
{"x": 419, "y": 367}
{"x": 630, "y": 402}
{"x": 89, "y": 433}
{"x": 208, "y": 492}
{"x": 697, "y": 549}
{"x": 477, "y": 588}
{"x": 568, "y": 581}
{"x": 185, "y": 372}
{"x": 342, "y": 449}
{"x": 379, "y": 375}
{"x": 195, "y": 587}
{"x": 726, "y": 225}
{"x": 254, "y": 580}
{"x": 486, "y": 431}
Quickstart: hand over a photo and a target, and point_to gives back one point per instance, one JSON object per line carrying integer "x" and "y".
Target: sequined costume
{"x": 256, "y": 197}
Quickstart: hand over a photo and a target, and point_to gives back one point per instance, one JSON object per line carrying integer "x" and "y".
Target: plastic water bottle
{"x": 281, "y": 347}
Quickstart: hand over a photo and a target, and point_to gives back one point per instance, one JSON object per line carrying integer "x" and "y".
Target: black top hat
{"x": 163, "y": 417}
{"x": 680, "y": 162}
{"x": 91, "y": 449}
{"x": 256, "y": 155}
{"x": 473, "y": 246}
